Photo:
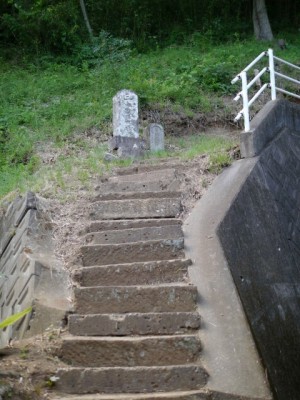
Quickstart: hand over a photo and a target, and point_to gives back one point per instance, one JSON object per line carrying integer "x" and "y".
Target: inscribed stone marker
{"x": 125, "y": 114}
{"x": 157, "y": 137}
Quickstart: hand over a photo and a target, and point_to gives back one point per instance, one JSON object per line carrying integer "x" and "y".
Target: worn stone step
{"x": 131, "y": 379}
{"x": 131, "y": 299}
{"x": 135, "y": 235}
{"x": 138, "y": 174}
{"x": 158, "y": 185}
{"x": 136, "y": 208}
{"x": 133, "y": 324}
{"x": 137, "y": 195}
{"x": 202, "y": 394}
{"x": 139, "y": 273}
{"x": 109, "y": 225}
{"x": 151, "y": 250}
{"x": 157, "y": 167}
{"x": 130, "y": 351}
{"x": 186, "y": 395}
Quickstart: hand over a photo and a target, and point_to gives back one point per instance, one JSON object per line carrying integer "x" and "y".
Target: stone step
{"x": 135, "y": 235}
{"x": 204, "y": 394}
{"x": 158, "y": 185}
{"x": 139, "y": 273}
{"x": 130, "y": 351}
{"x": 131, "y": 379}
{"x": 138, "y": 174}
{"x": 134, "y": 324}
{"x": 116, "y": 195}
{"x": 109, "y": 225}
{"x": 132, "y": 299}
{"x": 190, "y": 395}
{"x": 136, "y": 208}
{"x": 150, "y": 250}
{"x": 157, "y": 168}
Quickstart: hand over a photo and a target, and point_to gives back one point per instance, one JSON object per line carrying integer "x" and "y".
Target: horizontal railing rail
{"x": 246, "y": 86}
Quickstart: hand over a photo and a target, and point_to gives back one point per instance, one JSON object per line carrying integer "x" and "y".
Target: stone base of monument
{"x": 127, "y": 147}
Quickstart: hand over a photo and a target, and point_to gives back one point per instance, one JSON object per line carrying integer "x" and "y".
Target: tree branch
{"x": 86, "y": 19}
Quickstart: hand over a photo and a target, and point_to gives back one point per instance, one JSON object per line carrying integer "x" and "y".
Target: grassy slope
{"x": 51, "y": 103}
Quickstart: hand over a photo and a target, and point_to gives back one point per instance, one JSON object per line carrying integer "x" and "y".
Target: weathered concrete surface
{"x": 127, "y": 299}
{"x": 98, "y": 226}
{"x": 133, "y": 324}
{"x": 260, "y": 235}
{"x": 131, "y": 379}
{"x": 151, "y": 250}
{"x": 147, "y": 273}
{"x": 135, "y": 235}
{"x": 267, "y": 124}
{"x": 13, "y": 216}
{"x": 229, "y": 353}
{"x": 130, "y": 351}
{"x": 133, "y": 208}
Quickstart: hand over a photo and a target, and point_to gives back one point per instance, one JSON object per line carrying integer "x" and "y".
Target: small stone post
{"x": 156, "y": 137}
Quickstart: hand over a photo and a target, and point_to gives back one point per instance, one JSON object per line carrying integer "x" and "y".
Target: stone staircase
{"x": 135, "y": 331}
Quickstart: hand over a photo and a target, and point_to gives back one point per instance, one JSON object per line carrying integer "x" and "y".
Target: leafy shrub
{"x": 102, "y": 48}
{"x": 216, "y": 77}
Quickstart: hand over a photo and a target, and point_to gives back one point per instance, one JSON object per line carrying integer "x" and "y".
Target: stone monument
{"x": 126, "y": 114}
{"x": 156, "y": 137}
{"x": 126, "y": 126}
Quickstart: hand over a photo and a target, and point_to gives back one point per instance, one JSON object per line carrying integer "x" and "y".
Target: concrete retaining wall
{"x": 29, "y": 274}
{"x": 260, "y": 235}
{"x": 267, "y": 124}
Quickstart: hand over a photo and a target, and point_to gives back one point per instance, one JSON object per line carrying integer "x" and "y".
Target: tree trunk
{"x": 261, "y": 24}
{"x": 86, "y": 19}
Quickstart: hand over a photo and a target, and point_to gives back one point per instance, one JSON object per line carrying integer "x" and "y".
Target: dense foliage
{"x": 52, "y": 101}
{"x": 56, "y": 78}
{"x": 58, "y": 25}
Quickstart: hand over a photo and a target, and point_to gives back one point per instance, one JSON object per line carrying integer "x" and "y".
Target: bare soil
{"x": 28, "y": 366}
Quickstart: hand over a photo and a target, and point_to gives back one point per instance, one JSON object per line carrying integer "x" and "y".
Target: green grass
{"x": 63, "y": 178}
{"x": 202, "y": 144}
{"x": 49, "y": 101}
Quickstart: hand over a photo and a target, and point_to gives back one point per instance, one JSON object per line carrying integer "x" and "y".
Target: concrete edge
{"x": 266, "y": 125}
{"x": 229, "y": 352}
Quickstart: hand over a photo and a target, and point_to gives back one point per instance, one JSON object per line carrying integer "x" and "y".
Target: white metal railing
{"x": 244, "y": 93}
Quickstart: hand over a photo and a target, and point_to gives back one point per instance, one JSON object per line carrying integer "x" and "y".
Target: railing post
{"x": 245, "y": 101}
{"x": 272, "y": 74}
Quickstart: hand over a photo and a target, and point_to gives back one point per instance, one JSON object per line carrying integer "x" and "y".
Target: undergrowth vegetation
{"x": 75, "y": 167}
{"x": 55, "y": 99}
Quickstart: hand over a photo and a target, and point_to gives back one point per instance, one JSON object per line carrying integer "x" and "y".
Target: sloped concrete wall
{"x": 260, "y": 236}
{"x": 29, "y": 274}
{"x": 229, "y": 352}
{"x": 267, "y": 124}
